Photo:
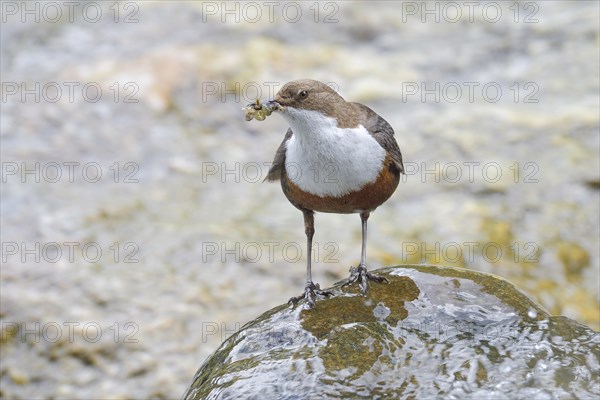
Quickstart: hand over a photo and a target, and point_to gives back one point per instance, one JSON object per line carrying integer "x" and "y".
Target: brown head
{"x": 309, "y": 94}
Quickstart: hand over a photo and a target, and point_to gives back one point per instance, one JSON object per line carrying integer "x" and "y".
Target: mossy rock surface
{"x": 431, "y": 332}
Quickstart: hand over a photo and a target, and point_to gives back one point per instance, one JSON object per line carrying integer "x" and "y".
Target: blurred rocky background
{"x": 136, "y": 232}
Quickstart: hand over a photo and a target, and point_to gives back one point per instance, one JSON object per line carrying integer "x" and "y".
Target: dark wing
{"x": 382, "y": 132}
{"x": 279, "y": 161}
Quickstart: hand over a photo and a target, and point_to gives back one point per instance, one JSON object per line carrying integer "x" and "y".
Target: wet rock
{"x": 433, "y": 331}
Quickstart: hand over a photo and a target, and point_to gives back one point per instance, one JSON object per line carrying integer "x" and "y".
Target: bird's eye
{"x": 303, "y": 94}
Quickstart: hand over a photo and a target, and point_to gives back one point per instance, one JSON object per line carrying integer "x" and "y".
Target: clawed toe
{"x": 362, "y": 276}
{"x": 310, "y": 295}
{"x": 377, "y": 278}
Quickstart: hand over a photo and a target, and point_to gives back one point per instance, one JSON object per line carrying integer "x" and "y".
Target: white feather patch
{"x": 325, "y": 160}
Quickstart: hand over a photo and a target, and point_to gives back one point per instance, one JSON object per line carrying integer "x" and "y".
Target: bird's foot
{"x": 362, "y": 276}
{"x": 311, "y": 291}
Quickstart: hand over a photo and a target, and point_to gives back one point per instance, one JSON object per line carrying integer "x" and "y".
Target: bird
{"x": 336, "y": 157}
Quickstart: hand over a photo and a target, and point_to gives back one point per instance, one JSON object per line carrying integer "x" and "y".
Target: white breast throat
{"x": 325, "y": 160}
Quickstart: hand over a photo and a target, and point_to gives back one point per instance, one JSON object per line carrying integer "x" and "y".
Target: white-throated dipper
{"x": 336, "y": 157}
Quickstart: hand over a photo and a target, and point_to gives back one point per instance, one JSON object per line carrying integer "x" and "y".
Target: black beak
{"x": 272, "y": 104}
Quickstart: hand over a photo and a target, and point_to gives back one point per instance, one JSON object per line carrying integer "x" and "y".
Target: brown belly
{"x": 367, "y": 198}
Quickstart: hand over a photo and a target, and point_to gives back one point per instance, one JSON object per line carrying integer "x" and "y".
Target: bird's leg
{"x": 311, "y": 290}
{"x": 360, "y": 274}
